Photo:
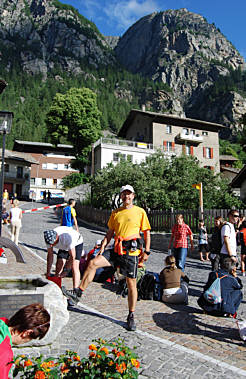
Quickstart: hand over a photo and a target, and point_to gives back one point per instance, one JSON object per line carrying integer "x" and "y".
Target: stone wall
{"x": 78, "y": 193}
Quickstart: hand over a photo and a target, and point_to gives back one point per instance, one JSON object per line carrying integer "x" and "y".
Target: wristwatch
{"x": 147, "y": 252}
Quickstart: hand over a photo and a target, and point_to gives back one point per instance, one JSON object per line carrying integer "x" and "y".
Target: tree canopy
{"x": 74, "y": 118}
{"x": 162, "y": 183}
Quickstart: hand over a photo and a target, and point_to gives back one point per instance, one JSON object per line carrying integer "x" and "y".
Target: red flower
{"x": 39, "y": 375}
{"x": 28, "y": 363}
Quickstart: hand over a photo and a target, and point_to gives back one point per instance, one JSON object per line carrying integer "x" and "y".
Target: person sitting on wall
{"x": 30, "y": 322}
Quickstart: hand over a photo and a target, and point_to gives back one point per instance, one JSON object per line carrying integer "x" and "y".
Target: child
{"x": 5, "y": 216}
{"x": 243, "y": 246}
{"x": 30, "y": 322}
{"x": 203, "y": 241}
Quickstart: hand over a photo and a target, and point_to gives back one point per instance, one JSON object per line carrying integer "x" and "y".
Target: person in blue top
{"x": 231, "y": 292}
{"x": 69, "y": 215}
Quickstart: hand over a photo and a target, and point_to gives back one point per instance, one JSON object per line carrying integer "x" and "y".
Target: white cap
{"x": 127, "y": 188}
{"x": 98, "y": 242}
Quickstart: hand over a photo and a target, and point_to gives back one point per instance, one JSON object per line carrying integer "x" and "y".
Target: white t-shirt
{"x": 68, "y": 238}
{"x": 228, "y": 230}
{"x": 15, "y": 214}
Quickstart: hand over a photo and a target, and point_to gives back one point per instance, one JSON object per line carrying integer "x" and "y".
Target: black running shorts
{"x": 128, "y": 264}
{"x": 63, "y": 254}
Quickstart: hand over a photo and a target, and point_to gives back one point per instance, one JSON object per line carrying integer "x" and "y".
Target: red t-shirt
{"x": 180, "y": 233}
{"x": 6, "y": 353}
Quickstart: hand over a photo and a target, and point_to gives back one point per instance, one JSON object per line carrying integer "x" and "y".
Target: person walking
{"x": 15, "y": 216}
{"x": 180, "y": 232}
{"x": 48, "y": 196}
{"x": 70, "y": 242}
{"x": 68, "y": 217}
{"x": 228, "y": 237}
{"x": 125, "y": 223}
{"x": 5, "y": 196}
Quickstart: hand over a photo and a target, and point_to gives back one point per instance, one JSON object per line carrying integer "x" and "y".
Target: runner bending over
{"x": 125, "y": 224}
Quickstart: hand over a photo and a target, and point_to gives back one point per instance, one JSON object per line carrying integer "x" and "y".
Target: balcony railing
{"x": 118, "y": 142}
{"x": 195, "y": 138}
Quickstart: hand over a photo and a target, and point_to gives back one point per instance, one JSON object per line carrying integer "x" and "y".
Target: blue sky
{"x": 114, "y": 17}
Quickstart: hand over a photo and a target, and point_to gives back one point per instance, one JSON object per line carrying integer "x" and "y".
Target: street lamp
{"x": 6, "y": 119}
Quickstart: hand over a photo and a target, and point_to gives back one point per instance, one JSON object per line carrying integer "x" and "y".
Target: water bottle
{"x": 134, "y": 245}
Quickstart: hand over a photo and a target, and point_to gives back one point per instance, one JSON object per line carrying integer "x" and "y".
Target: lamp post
{"x": 6, "y": 119}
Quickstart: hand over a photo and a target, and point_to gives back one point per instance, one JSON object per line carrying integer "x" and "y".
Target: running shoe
{"x": 131, "y": 326}
{"x": 71, "y": 294}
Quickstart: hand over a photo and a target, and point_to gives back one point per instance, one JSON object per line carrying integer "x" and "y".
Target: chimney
{"x": 143, "y": 107}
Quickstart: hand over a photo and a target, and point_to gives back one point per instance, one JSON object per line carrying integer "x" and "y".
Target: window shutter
{"x": 204, "y": 152}
{"x": 212, "y": 153}
{"x": 165, "y": 145}
{"x": 183, "y": 149}
{"x": 212, "y": 168}
{"x": 173, "y": 146}
{"x": 191, "y": 150}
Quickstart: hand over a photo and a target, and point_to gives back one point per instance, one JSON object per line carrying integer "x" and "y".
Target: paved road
{"x": 170, "y": 340}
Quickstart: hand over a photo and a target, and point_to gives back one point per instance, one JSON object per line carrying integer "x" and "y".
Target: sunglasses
{"x": 235, "y": 215}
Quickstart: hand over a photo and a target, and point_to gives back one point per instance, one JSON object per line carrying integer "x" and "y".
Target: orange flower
{"x": 110, "y": 363}
{"x": 105, "y": 350}
{"x": 92, "y": 347}
{"x": 121, "y": 353}
{"x": 99, "y": 356}
{"x": 76, "y": 358}
{"x": 135, "y": 363}
{"x": 64, "y": 369}
{"x": 119, "y": 368}
{"x": 123, "y": 366}
{"x": 39, "y": 375}
{"x": 114, "y": 351}
{"x": 92, "y": 355}
{"x": 28, "y": 363}
{"x": 51, "y": 363}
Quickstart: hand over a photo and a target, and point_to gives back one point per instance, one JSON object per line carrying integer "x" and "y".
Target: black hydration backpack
{"x": 149, "y": 287}
{"x": 216, "y": 243}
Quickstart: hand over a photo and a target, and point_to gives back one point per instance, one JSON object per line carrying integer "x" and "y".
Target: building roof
{"x": 17, "y": 155}
{"x": 230, "y": 169}
{"x": 227, "y": 158}
{"x": 240, "y": 178}
{"x": 30, "y": 146}
{"x": 168, "y": 119}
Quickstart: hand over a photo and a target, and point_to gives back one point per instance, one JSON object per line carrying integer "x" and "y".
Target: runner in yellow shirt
{"x": 125, "y": 225}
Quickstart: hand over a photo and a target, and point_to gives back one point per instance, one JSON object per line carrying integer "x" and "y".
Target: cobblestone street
{"x": 171, "y": 340}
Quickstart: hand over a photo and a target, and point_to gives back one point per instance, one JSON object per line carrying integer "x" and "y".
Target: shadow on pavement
{"x": 33, "y": 247}
{"x": 185, "y": 322}
{"x": 98, "y": 315}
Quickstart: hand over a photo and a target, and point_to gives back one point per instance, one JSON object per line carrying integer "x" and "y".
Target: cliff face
{"x": 175, "y": 47}
{"x": 42, "y": 33}
{"x": 181, "y": 49}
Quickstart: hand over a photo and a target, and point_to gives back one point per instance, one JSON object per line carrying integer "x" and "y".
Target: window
{"x": 19, "y": 172}
{"x": 116, "y": 157}
{"x": 168, "y": 129}
{"x": 130, "y": 158}
{"x": 44, "y": 166}
{"x": 193, "y": 132}
{"x": 205, "y": 133}
{"x": 43, "y": 182}
{"x": 185, "y": 131}
{"x": 6, "y": 167}
{"x": 188, "y": 150}
{"x": 55, "y": 182}
{"x": 55, "y": 166}
{"x": 32, "y": 181}
{"x": 66, "y": 166}
{"x": 208, "y": 152}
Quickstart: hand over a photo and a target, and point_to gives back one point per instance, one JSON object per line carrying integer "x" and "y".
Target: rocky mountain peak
{"x": 43, "y": 33}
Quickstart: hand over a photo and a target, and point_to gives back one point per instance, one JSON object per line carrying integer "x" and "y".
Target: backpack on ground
{"x": 213, "y": 293}
{"x": 149, "y": 287}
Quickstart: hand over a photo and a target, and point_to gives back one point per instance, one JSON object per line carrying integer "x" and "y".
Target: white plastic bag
{"x": 169, "y": 252}
{"x": 242, "y": 329}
